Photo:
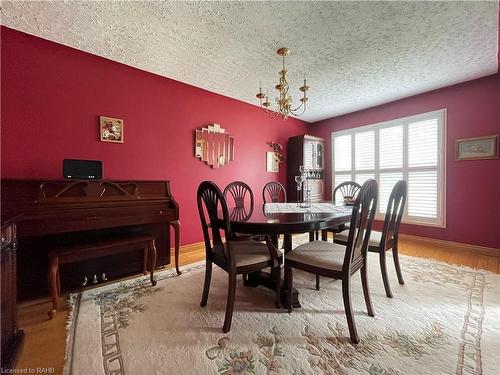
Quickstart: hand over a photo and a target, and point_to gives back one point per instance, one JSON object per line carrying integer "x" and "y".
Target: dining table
{"x": 287, "y": 219}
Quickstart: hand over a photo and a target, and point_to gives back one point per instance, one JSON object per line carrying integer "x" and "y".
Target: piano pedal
{"x": 94, "y": 279}
{"x": 104, "y": 278}
{"x": 85, "y": 281}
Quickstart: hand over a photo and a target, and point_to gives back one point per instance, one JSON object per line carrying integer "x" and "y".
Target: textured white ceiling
{"x": 355, "y": 54}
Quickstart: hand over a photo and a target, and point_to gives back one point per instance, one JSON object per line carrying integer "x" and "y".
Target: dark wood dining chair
{"x": 274, "y": 192}
{"x": 343, "y": 190}
{"x": 380, "y": 242}
{"x": 239, "y": 196}
{"x": 337, "y": 261}
{"x": 234, "y": 257}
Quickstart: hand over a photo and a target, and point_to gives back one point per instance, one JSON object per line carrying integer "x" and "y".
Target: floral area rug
{"x": 444, "y": 320}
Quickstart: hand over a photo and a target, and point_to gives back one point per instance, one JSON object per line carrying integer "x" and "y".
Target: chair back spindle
{"x": 211, "y": 205}
{"x": 240, "y": 214}
{"x": 346, "y": 189}
{"x": 394, "y": 214}
{"x": 363, "y": 214}
{"x": 275, "y": 191}
{"x": 240, "y": 193}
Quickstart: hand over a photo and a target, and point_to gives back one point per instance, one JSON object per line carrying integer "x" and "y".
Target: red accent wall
{"x": 52, "y": 96}
{"x": 472, "y": 187}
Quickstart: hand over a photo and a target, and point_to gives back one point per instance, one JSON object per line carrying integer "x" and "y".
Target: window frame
{"x": 441, "y": 117}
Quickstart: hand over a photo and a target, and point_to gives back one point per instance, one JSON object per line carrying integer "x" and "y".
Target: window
{"x": 411, "y": 148}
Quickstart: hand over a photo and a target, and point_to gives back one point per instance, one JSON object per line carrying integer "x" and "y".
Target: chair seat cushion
{"x": 248, "y": 252}
{"x": 375, "y": 237}
{"x": 320, "y": 254}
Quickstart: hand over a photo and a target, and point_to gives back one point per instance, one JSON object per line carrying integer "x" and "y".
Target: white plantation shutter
{"x": 341, "y": 177}
{"x": 387, "y": 180}
{"x": 422, "y": 197}
{"x": 364, "y": 150}
{"x": 410, "y": 148}
{"x": 391, "y": 147}
{"x": 423, "y": 156}
{"x": 423, "y": 143}
{"x": 360, "y": 178}
{"x": 342, "y": 155}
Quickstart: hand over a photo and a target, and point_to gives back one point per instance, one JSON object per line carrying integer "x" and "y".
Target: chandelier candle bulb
{"x": 260, "y": 95}
{"x": 266, "y": 104}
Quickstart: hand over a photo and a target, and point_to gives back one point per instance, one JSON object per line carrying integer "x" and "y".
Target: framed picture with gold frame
{"x": 111, "y": 129}
{"x": 478, "y": 148}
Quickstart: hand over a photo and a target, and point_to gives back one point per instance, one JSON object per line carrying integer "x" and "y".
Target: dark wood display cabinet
{"x": 12, "y": 337}
{"x": 308, "y": 151}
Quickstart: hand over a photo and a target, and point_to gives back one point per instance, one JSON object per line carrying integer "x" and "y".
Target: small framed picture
{"x": 273, "y": 163}
{"x": 477, "y": 148}
{"x": 111, "y": 129}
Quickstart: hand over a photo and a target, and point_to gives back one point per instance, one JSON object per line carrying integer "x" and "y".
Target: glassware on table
{"x": 299, "y": 180}
{"x": 306, "y": 201}
{"x": 305, "y": 175}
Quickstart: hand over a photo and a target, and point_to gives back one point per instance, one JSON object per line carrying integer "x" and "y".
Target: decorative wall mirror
{"x": 214, "y": 146}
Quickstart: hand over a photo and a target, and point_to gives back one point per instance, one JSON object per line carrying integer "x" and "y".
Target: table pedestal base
{"x": 264, "y": 279}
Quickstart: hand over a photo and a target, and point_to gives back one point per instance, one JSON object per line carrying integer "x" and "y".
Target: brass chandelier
{"x": 283, "y": 101}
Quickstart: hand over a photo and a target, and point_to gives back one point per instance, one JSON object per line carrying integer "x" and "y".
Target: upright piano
{"x": 60, "y": 212}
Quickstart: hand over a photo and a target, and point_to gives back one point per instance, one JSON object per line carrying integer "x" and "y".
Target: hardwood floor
{"x": 45, "y": 339}
{"x": 449, "y": 255}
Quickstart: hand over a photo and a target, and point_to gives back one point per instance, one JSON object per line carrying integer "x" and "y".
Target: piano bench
{"x": 90, "y": 250}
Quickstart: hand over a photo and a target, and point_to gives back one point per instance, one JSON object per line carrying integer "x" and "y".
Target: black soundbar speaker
{"x": 82, "y": 169}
